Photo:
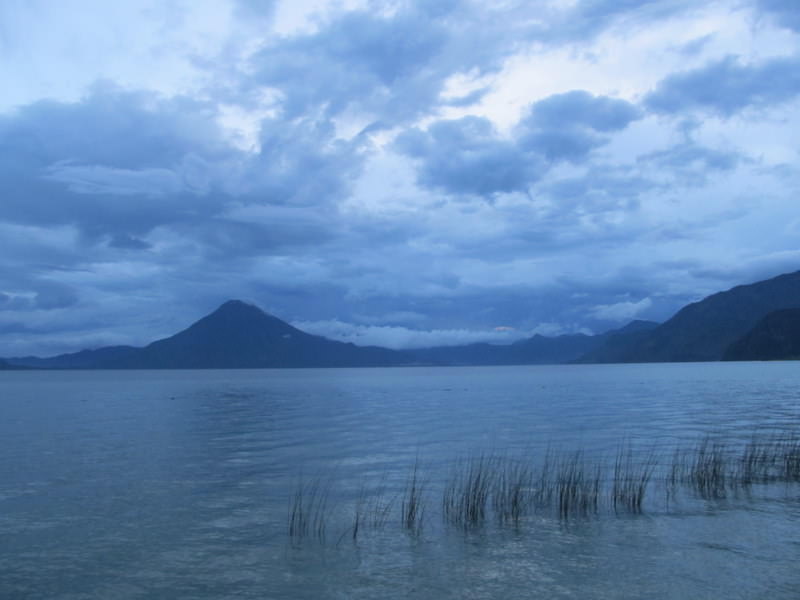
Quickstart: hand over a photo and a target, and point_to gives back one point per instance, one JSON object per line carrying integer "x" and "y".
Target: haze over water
{"x": 145, "y": 484}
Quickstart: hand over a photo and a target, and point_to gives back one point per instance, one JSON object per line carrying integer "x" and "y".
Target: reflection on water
{"x": 177, "y": 484}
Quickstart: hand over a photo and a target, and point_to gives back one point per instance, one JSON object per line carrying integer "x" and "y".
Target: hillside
{"x": 775, "y": 337}
{"x": 236, "y": 335}
{"x": 702, "y": 331}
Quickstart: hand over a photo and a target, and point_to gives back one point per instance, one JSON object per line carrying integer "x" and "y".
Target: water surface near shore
{"x": 141, "y": 484}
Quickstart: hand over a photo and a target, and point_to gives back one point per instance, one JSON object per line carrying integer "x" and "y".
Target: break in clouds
{"x": 395, "y": 173}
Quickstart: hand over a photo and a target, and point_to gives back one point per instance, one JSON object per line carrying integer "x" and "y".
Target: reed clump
{"x": 412, "y": 509}
{"x": 577, "y": 485}
{"x": 308, "y": 510}
{"x": 631, "y": 480}
{"x": 510, "y": 489}
{"x": 714, "y": 469}
{"x": 466, "y": 495}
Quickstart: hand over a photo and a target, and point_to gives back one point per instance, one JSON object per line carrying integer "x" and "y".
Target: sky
{"x": 401, "y": 173}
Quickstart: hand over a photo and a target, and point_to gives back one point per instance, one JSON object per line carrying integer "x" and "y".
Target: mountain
{"x": 85, "y": 359}
{"x": 536, "y": 350}
{"x": 775, "y": 337}
{"x": 614, "y": 345}
{"x": 702, "y": 331}
{"x": 236, "y": 335}
{"x": 239, "y": 335}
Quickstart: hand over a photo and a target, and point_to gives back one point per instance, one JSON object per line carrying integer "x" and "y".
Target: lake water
{"x": 178, "y": 484}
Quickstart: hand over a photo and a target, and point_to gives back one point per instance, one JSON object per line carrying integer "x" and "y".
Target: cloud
{"x": 302, "y": 162}
{"x": 83, "y": 163}
{"x": 580, "y": 109}
{"x": 784, "y": 12}
{"x": 621, "y": 311}
{"x": 569, "y": 126}
{"x": 389, "y": 63}
{"x": 383, "y": 164}
{"x": 727, "y": 86}
{"x": 468, "y": 156}
{"x": 690, "y": 163}
{"x": 403, "y": 338}
{"x": 380, "y": 64}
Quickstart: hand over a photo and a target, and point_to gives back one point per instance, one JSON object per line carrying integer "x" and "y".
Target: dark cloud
{"x": 54, "y": 295}
{"x": 785, "y": 13}
{"x": 128, "y": 242}
{"x": 579, "y": 108}
{"x": 125, "y": 215}
{"x": 360, "y": 59}
{"x": 302, "y": 162}
{"x": 600, "y": 189}
{"x": 585, "y": 19}
{"x": 389, "y": 67}
{"x": 728, "y": 86}
{"x": 691, "y": 163}
{"x": 116, "y": 162}
{"x": 468, "y": 156}
{"x": 569, "y": 126}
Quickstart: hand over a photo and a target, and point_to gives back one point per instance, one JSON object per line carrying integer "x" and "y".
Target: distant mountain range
{"x": 236, "y": 335}
{"x": 704, "y": 330}
{"x": 759, "y": 321}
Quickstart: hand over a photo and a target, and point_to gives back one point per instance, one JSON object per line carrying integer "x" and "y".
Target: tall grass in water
{"x": 512, "y": 490}
{"x": 790, "y": 459}
{"x": 412, "y": 509}
{"x": 713, "y": 469}
{"x": 630, "y": 480}
{"x": 371, "y": 511}
{"x": 508, "y": 489}
{"x": 577, "y": 485}
{"x": 308, "y": 510}
{"x": 466, "y": 495}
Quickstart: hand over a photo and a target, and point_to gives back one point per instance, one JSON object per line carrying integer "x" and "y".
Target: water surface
{"x": 143, "y": 484}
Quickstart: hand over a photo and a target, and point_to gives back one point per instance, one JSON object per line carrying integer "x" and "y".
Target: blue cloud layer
{"x": 378, "y": 180}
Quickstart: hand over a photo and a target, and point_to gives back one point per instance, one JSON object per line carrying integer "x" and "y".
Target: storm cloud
{"x": 405, "y": 173}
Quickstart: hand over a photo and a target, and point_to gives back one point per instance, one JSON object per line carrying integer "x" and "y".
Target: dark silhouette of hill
{"x": 702, "y": 331}
{"x": 614, "y": 345}
{"x": 775, "y": 337}
{"x": 536, "y": 350}
{"x": 239, "y": 335}
{"x": 85, "y": 359}
{"x": 236, "y": 335}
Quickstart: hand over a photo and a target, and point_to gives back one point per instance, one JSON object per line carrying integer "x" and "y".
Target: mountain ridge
{"x": 703, "y": 330}
{"x": 774, "y": 337}
{"x": 240, "y": 335}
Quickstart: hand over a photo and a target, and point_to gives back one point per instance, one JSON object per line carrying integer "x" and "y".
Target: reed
{"x": 512, "y": 490}
{"x": 631, "y": 480}
{"x": 568, "y": 484}
{"x": 412, "y": 508}
{"x": 708, "y": 471}
{"x": 466, "y": 496}
{"x": 577, "y": 485}
{"x": 790, "y": 459}
{"x": 308, "y": 510}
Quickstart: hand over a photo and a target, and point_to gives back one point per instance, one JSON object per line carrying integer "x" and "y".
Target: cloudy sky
{"x": 405, "y": 173}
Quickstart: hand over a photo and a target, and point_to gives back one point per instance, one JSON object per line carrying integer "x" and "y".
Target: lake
{"x": 182, "y": 484}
